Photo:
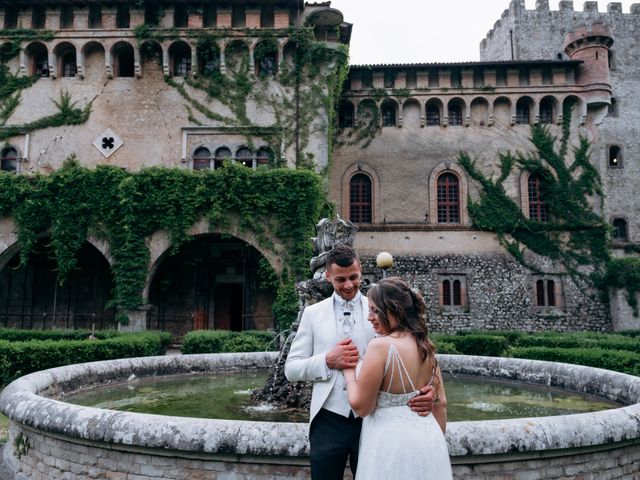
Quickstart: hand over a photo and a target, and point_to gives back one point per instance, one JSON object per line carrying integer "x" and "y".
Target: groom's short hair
{"x": 342, "y": 255}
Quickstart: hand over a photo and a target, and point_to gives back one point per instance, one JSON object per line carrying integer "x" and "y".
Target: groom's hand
{"x": 423, "y": 403}
{"x": 343, "y": 355}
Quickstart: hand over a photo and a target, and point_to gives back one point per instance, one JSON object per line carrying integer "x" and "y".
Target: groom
{"x": 318, "y": 354}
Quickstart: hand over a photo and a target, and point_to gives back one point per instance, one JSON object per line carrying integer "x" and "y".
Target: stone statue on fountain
{"x": 278, "y": 390}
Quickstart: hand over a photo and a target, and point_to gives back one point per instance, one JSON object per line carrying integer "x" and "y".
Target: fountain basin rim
{"x": 23, "y": 402}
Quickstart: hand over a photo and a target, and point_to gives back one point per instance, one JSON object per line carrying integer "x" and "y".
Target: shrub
{"x": 626, "y": 362}
{"x": 30, "y": 356}
{"x": 17, "y": 335}
{"x": 446, "y": 348}
{"x": 579, "y": 340}
{"x": 224, "y": 341}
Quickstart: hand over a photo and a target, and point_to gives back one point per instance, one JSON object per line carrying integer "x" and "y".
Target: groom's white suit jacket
{"x": 317, "y": 334}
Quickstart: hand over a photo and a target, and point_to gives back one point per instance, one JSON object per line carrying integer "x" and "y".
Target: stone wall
{"x": 540, "y": 34}
{"x": 500, "y": 293}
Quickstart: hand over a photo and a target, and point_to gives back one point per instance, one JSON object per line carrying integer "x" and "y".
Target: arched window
{"x": 433, "y": 115}
{"x": 9, "y": 160}
{"x": 448, "y": 198}
{"x": 388, "y": 114}
{"x": 453, "y": 290}
{"x": 202, "y": 159}
{"x": 546, "y": 111}
{"x": 38, "y": 59}
{"x": 68, "y": 64}
{"x": 222, "y": 154}
{"x": 360, "y": 199}
{"x": 546, "y": 293}
{"x": 538, "y": 209}
{"x": 123, "y": 60}
{"x": 180, "y": 53}
{"x": 455, "y": 114}
{"x": 615, "y": 156}
{"x": 523, "y": 113}
{"x": 620, "y": 230}
{"x": 346, "y": 115}
{"x": 245, "y": 157}
{"x": 264, "y": 156}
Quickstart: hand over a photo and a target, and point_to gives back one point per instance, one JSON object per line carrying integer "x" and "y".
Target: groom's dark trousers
{"x": 333, "y": 438}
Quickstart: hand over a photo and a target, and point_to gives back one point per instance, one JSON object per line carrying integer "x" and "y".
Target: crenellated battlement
{"x": 518, "y": 9}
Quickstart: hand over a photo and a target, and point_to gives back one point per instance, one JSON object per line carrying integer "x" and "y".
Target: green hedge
{"x": 16, "y": 335}
{"x": 485, "y": 344}
{"x": 605, "y": 342}
{"x": 20, "y": 358}
{"x": 224, "y": 341}
{"x": 620, "y": 361}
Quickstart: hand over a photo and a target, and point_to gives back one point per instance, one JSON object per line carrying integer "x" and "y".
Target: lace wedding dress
{"x": 397, "y": 443}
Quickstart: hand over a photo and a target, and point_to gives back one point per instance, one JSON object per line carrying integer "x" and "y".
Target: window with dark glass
{"x": 478, "y": 78}
{"x": 613, "y": 107}
{"x": 434, "y": 78}
{"x": 10, "y": 17}
{"x": 181, "y": 16}
{"x": 546, "y": 293}
{"x": 546, "y": 112}
{"x": 388, "y": 115}
{"x": 501, "y": 77}
{"x": 367, "y": 79}
{"x": 123, "y": 18}
{"x": 202, "y": 159}
{"x": 523, "y": 76}
{"x": 620, "y": 230}
{"x": 547, "y": 78}
{"x": 267, "y": 16}
{"x": 433, "y": 115}
{"x": 9, "y": 159}
{"x": 238, "y": 16}
{"x": 95, "y": 16}
{"x": 68, "y": 63}
{"x": 209, "y": 15}
{"x": 181, "y": 61}
{"x": 522, "y": 113}
{"x": 615, "y": 156}
{"x": 346, "y": 115}
{"x": 244, "y": 156}
{"x": 389, "y": 79}
{"x": 456, "y": 78}
{"x": 66, "y": 16}
{"x": 360, "y": 199}
{"x": 411, "y": 78}
{"x": 448, "y": 198}
{"x": 151, "y": 13}
{"x": 38, "y": 17}
{"x": 453, "y": 291}
{"x": 263, "y": 157}
{"x": 538, "y": 209}
{"x": 222, "y": 154}
{"x": 455, "y": 114}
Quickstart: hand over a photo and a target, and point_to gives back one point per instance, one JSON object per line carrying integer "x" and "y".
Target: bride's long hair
{"x": 394, "y": 295}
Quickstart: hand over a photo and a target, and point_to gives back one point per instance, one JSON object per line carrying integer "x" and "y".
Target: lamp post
{"x": 384, "y": 260}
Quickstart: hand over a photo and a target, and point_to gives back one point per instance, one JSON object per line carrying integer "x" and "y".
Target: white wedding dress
{"x": 397, "y": 443}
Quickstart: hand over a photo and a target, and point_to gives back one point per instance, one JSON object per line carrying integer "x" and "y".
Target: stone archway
{"x": 211, "y": 282}
{"x": 31, "y": 296}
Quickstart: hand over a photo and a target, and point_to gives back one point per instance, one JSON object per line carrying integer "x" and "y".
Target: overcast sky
{"x": 410, "y": 31}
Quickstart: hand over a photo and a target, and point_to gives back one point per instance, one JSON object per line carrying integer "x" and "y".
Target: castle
{"x": 193, "y": 86}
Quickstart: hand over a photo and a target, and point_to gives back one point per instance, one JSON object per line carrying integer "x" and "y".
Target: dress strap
{"x": 394, "y": 359}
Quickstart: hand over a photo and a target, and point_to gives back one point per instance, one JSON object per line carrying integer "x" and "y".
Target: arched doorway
{"x": 32, "y": 298}
{"x": 211, "y": 283}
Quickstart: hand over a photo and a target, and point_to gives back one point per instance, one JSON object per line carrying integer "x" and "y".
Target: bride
{"x": 395, "y": 442}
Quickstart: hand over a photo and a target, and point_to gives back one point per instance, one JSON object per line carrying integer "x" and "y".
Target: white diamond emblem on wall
{"x": 108, "y": 142}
